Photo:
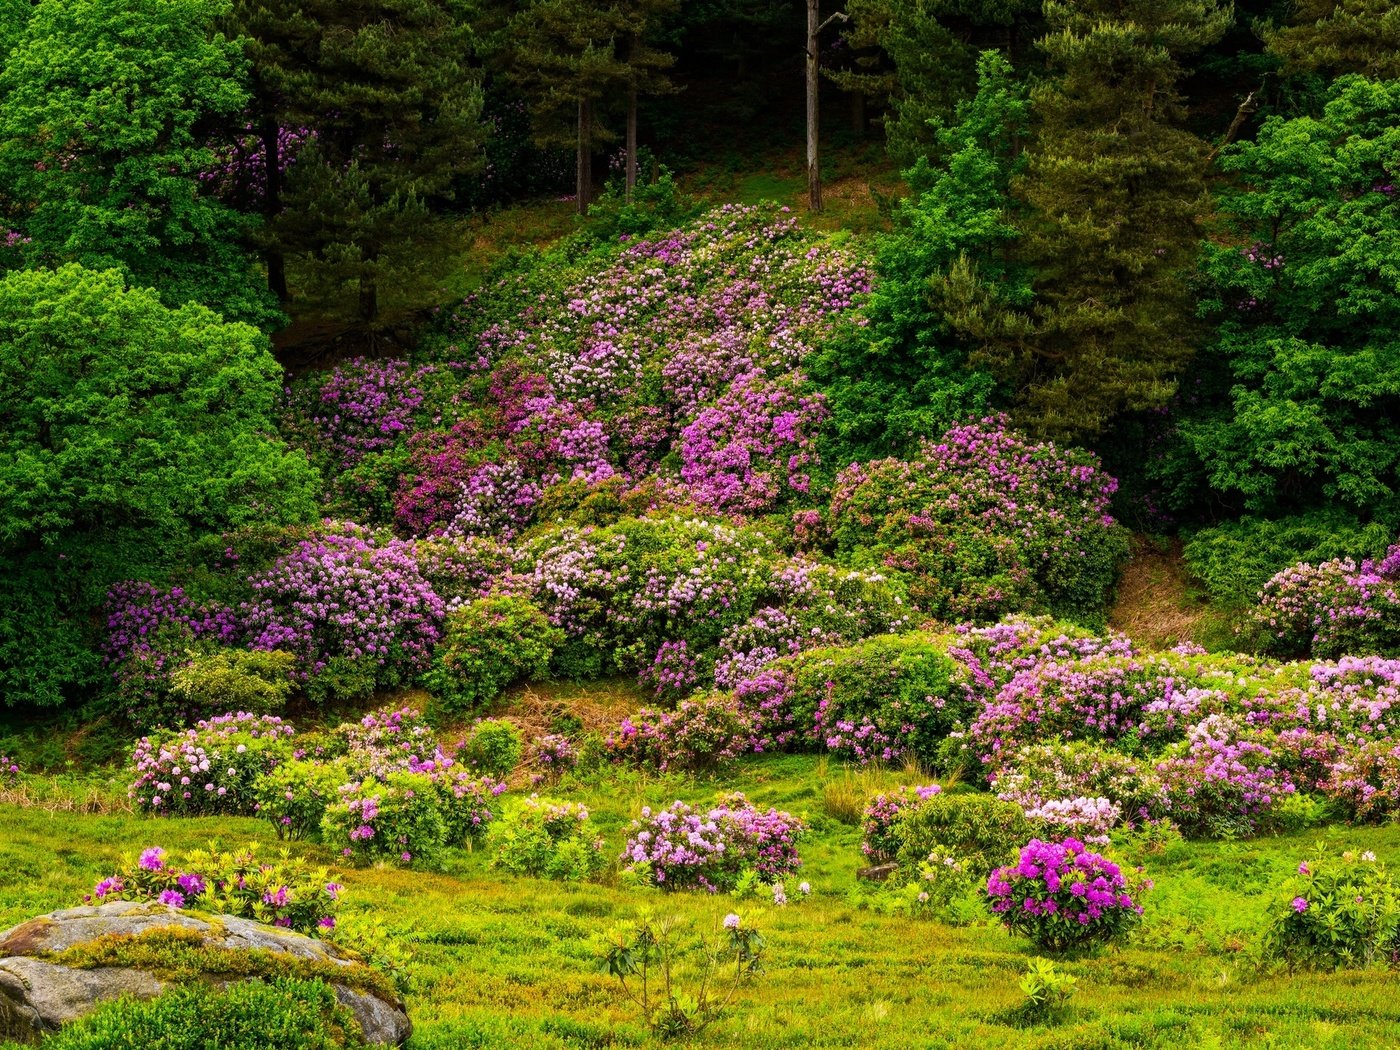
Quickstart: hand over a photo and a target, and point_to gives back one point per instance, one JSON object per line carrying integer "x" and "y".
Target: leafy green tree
{"x": 105, "y": 108}
{"x": 919, "y": 57}
{"x": 1111, "y": 195}
{"x": 903, "y": 373}
{"x": 392, "y": 93}
{"x": 127, "y": 429}
{"x": 1341, "y": 36}
{"x": 1304, "y": 287}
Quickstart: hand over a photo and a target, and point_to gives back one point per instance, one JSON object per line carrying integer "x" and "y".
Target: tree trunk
{"x": 858, "y": 113}
{"x": 272, "y": 202}
{"x": 369, "y": 299}
{"x": 585, "y": 155}
{"x": 631, "y": 142}
{"x": 814, "y": 178}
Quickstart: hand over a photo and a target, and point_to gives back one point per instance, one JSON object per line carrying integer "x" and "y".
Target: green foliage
{"x": 980, "y": 831}
{"x": 104, "y": 110}
{"x": 902, "y": 374}
{"x": 652, "y": 951}
{"x": 547, "y": 839}
{"x": 408, "y": 825}
{"x": 1337, "y": 912}
{"x": 1235, "y": 559}
{"x": 289, "y": 1014}
{"x": 487, "y": 645}
{"x": 131, "y": 428}
{"x": 905, "y": 685}
{"x": 1341, "y": 36}
{"x": 493, "y": 748}
{"x": 1047, "y": 990}
{"x": 1107, "y": 221}
{"x": 1302, "y": 285}
{"x": 295, "y": 794}
{"x": 259, "y": 682}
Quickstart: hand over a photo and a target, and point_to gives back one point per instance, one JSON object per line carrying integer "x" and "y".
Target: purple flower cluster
{"x": 211, "y": 768}
{"x": 1061, "y": 896}
{"x": 1333, "y": 609}
{"x": 704, "y": 733}
{"x": 681, "y": 847}
{"x": 9, "y": 771}
{"x": 879, "y": 836}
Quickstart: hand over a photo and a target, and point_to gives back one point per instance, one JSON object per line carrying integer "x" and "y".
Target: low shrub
{"x": 235, "y": 680}
{"x": 552, "y": 754}
{"x": 488, "y": 645}
{"x": 1336, "y": 912}
{"x": 9, "y": 771}
{"x": 295, "y": 795}
{"x": 493, "y": 748}
{"x": 879, "y": 824}
{"x": 211, "y": 768}
{"x": 1062, "y": 896}
{"x": 700, "y": 735}
{"x": 249, "y": 1015}
{"x": 547, "y": 839}
{"x": 979, "y": 831}
{"x": 397, "y": 818}
{"x": 680, "y": 847}
{"x": 282, "y": 892}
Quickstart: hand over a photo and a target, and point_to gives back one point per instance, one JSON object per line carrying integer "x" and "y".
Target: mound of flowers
{"x": 1338, "y": 608}
{"x": 680, "y": 847}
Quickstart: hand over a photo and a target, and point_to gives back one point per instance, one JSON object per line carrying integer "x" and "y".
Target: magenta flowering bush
{"x": 673, "y": 675}
{"x": 701, "y": 734}
{"x": 361, "y": 406}
{"x": 985, "y": 522}
{"x": 1063, "y": 896}
{"x": 680, "y": 847}
{"x": 9, "y": 771}
{"x": 352, "y": 595}
{"x": 212, "y": 768}
{"x": 1330, "y": 610}
{"x": 282, "y": 892}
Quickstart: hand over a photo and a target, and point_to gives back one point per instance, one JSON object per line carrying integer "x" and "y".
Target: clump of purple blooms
{"x": 1333, "y": 609}
{"x": 878, "y": 826}
{"x": 1061, "y": 896}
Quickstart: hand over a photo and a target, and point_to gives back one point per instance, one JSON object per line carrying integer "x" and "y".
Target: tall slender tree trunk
{"x": 272, "y": 201}
{"x": 585, "y": 155}
{"x": 814, "y": 177}
{"x": 631, "y": 142}
{"x": 369, "y": 299}
{"x": 858, "y": 120}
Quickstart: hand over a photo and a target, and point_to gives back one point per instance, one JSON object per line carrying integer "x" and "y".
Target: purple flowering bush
{"x": 552, "y": 755}
{"x": 1063, "y": 896}
{"x": 349, "y": 595}
{"x": 879, "y": 825}
{"x": 283, "y": 892}
{"x": 700, "y": 735}
{"x": 9, "y": 771}
{"x": 680, "y": 847}
{"x": 1333, "y": 609}
{"x": 984, "y": 523}
{"x": 396, "y": 818}
{"x": 212, "y": 768}
{"x": 1337, "y": 911}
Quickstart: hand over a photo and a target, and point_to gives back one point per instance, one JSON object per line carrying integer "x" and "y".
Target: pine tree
{"x": 1342, "y": 36}
{"x": 1111, "y": 204}
{"x": 393, "y": 101}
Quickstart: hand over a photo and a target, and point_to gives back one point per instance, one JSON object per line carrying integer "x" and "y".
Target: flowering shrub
{"x": 1337, "y": 911}
{"x": 673, "y": 673}
{"x": 1224, "y": 778}
{"x": 398, "y": 819}
{"x": 1062, "y": 896}
{"x": 1061, "y": 782}
{"x": 351, "y": 594}
{"x": 1332, "y": 609}
{"x": 212, "y": 768}
{"x": 284, "y": 892}
{"x": 680, "y": 847}
{"x": 295, "y": 795}
{"x": 701, "y": 734}
{"x": 878, "y": 826}
{"x": 548, "y": 839}
{"x": 985, "y": 523}
{"x": 360, "y": 407}
{"x": 487, "y": 645}
{"x": 552, "y": 754}
{"x": 979, "y": 831}
{"x": 9, "y": 771}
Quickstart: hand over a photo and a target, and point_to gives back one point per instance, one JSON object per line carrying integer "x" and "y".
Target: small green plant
{"x": 1337, "y": 912}
{"x": 981, "y": 831}
{"x": 548, "y": 839}
{"x": 1046, "y": 989}
{"x": 493, "y": 748}
{"x": 654, "y": 954}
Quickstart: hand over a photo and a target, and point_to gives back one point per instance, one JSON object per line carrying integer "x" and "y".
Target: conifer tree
{"x": 1112, "y": 198}
{"x": 1342, "y": 36}
{"x": 393, "y": 102}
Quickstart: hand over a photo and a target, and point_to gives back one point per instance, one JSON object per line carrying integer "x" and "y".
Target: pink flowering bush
{"x": 348, "y": 596}
{"x": 397, "y": 819}
{"x": 1222, "y": 779}
{"x": 283, "y": 892}
{"x": 1330, "y": 610}
{"x": 680, "y": 847}
{"x": 879, "y": 823}
{"x": 212, "y": 768}
{"x": 699, "y": 735}
{"x": 552, "y": 754}
{"x": 1063, "y": 896}
{"x": 985, "y": 522}
{"x": 9, "y": 771}
{"x": 1337, "y": 911}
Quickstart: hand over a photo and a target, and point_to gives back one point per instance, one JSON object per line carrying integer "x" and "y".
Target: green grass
{"x": 509, "y": 962}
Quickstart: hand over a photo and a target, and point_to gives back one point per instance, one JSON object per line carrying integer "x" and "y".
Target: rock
{"x": 877, "y": 872}
{"x": 38, "y": 995}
